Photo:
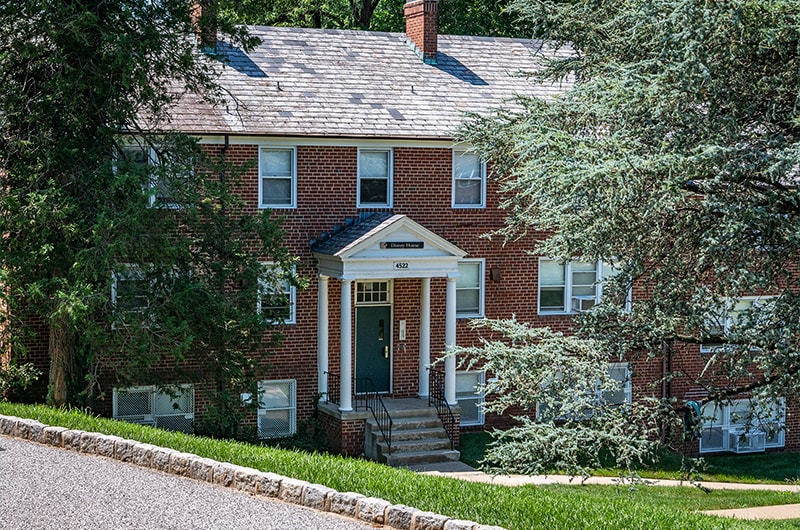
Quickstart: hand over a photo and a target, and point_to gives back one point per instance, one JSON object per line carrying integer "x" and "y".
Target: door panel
{"x": 373, "y": 347}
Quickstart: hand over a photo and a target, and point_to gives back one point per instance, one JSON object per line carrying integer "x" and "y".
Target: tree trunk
{"x": 62, "y": 351}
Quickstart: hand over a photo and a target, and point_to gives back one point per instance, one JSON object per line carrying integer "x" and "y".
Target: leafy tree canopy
{"x": 99, "y": 203}
{"x": 456, "y": 17}
{"x": 672, "y": 152}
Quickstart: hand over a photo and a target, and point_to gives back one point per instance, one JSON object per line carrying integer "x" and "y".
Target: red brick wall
{"x": 422, "y": 189}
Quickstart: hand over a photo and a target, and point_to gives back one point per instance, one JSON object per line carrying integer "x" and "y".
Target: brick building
{"x": 353, "y": 137}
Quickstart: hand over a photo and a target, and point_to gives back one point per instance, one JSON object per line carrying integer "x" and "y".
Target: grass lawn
{"x": 774, "y": 468}
{"x": 528, "y": 507}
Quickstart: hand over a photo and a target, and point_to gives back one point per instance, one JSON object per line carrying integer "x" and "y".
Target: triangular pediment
{"x": 386, "y": 245}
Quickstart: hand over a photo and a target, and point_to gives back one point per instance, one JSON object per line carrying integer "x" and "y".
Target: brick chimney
{"x": 204, "y": 20}
{"x": 422, "y": 28}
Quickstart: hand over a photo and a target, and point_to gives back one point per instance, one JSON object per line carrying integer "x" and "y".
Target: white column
{"x": 424, "y": 336}
{"x": 450, "y": 341}
{"x": 346, "y": 349}
{"x": 322, "y": 335}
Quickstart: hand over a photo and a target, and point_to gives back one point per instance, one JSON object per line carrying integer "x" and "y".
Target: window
{"x": 742, "y": 427}
{"x": 277, "y": 408}
{"x": 375, "y": 178}
{"x": 372, "y": 292}
{"x": 277, "y": 296}
{"x": 469, "y": 397}
{"x": 570, "y": 287}
{"x": 620, "y": 395}
{"x": 469, "y": 180}
{"x": 720, "y": 322}
{"x": 162, "y": 188}
{"x": 469, "y": 289}
{"x": 170, "y": 408}
{"x": 130, "y": 294}
{"x": 278, "y": 182}
{"x": 623, "y": 394}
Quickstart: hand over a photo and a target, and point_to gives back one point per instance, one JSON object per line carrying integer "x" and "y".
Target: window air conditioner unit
{"x": 583, "y": 303}
{"x": 740, "y": 441}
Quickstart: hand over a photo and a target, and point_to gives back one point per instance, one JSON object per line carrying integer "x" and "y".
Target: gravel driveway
{"x": 43, "y": 487}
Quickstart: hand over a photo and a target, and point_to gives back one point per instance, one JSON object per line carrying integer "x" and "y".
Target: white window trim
{"x": 713, "y": 347}
{"x": 261, "y": 177}
{"x": 389, "y": 179}
{"x": 389, "y": 293}
{"x": 152, "y": 417}
{"x": 481, "y": 288}
{"x": 598, "y": 288}
{"x": 479, "y": 396}
{"x": 292, "y": 298}
{"x": 726, "y": 427}
{"x": 457, "y": 153}
{"x": 291, "y": 407}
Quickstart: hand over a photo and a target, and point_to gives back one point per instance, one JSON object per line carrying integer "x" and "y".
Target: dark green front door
{"x": 373, "y": 347}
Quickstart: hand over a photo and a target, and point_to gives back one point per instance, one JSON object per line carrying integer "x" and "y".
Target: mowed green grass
{"x": 772, "y": 468}
{"x": 529, "y": 507}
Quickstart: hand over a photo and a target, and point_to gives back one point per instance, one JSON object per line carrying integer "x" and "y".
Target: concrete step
{"x": 421, "y": 457}
{"x": 428, "y": 433}
{"x": 415, "y": 446}
{"x": 410, "y": 424}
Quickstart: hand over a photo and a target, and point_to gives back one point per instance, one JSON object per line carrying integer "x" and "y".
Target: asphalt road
{"x": 42, "y": 487}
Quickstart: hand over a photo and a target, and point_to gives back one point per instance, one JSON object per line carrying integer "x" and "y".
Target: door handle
{"x": 386, "y": 352}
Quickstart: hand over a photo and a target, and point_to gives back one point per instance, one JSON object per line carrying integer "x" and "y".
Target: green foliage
{"x": 562, "y": 381}
{"x": 456, "y": 17}
{"x": 673, "y": 152}
{"x": 15, "y": 377}
{"x": 127, "y": 240}
{"x": 515, "y": 508}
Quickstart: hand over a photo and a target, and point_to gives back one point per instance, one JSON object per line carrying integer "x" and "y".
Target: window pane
{"x": 168, "y": 404}
{"x": 551, "y": 273}
{"x": 713, "y": 439}
{"x": 468, "y": 301}
{"x": 276, "y": 191}
{"x": 274, "y": 423}
{"x": 276, "y": 162}
{"x": 374, "y": 164}
{"x": 468, "y": 192}
{"x": 466, "y": 166}
{"x": 552, "y": 298}
{"x": 276, "y": 395}
{"x": 470, "y": 275}
{"x": 135, "y": 403}
{"x": 374, "y": 191}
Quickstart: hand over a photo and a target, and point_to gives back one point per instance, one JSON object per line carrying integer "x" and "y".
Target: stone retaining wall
{"x": 369, "y": 510}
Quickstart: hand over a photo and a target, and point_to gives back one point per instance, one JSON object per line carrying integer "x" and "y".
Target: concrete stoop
{"x": 418, "y": 437}
{"x": 373, "y": 511}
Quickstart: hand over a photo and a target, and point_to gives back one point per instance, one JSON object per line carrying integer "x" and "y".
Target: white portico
{"x": 383, "y": 247}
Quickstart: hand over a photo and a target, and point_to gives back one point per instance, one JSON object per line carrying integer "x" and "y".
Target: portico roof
{"x": 385, "y": 245}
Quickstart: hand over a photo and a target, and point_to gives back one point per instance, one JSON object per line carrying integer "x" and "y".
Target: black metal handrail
{"x": 334, "y": 384}
{"x": 374, "y": 403}
{"x": 436, "y": 397}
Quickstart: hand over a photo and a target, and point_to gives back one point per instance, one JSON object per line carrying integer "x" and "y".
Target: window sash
{"x": 469, "y": 180}
{"x": 375, "y": 177}
{"x": 719, "y": 419}
{"x": 277, "y": 408}
{"x": 470, "y": 289}
{"x": 277, "y": 298}
{"x": 278, "y": 177}
{"x": 563, "y": 286}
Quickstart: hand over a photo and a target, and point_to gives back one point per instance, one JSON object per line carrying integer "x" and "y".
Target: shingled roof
{"x": 337, "y": 83}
